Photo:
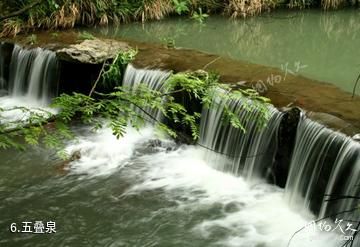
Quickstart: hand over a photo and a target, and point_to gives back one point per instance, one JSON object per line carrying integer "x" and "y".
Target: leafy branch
{"x": 123, "y": 106}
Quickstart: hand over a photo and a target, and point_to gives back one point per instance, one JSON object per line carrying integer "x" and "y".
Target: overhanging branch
{"x": 20, "y": 11}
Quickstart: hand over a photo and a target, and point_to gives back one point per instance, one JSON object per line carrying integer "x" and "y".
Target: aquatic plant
{"x": 199, "y": 16}
{"x": 85, "y": 36}
{"x": 169, "y": 42}
{"x": 31, "y": 39}
{"x": 54, "y": 35}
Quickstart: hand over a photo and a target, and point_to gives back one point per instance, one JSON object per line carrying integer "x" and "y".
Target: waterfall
{"x": 33, "y": 74}
{"x": 153, "y": 79}
{"x": 344, "y": 180}
{"x": 250, "y": 153}
{"x": 324, "y": 162}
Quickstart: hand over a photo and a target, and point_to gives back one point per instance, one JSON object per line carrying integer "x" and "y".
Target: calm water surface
{"x": 318, "y": 45}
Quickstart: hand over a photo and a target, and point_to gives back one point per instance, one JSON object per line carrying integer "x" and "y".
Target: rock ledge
{"x": 94, "y": 51}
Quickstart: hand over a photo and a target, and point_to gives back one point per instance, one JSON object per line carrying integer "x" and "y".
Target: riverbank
{"x": 60, "y": 14}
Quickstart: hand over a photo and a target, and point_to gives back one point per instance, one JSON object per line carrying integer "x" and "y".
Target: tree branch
{"x": 335, "y": 198}
{"x": 98, "y": 79}
{"x": 21, "y": 11}
{"x": 29, "y": 125}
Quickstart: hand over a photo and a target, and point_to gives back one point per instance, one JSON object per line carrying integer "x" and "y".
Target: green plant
{"x": 86, "y": 36}
{"x": 181, "y": 6}
{"x": 112, "y": 73}
{"x": 11, "y": 27}
{"x": 60, "y": 14}
{"x": 53, "y": 5}
{"x": 54, "y": 35}
{"x": 117, "y": 106}
{"x": 39, "y": 126}
{"x": 170, "y": 42}
{"x": 31, "y": 39}
{"x": 199, "y": 16}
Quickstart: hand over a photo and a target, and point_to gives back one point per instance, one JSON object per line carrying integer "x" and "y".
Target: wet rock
{"x": 356, "y": 137}
{"x": 156, "y": 145}
{"x": 94, "y": 51}
{"x": 233, "y": 207}
{"x": 63, "y": 166}
{"x": 286, "y": 141}
{"x": 333, "y": 122}
{"x": 75, "y": 156}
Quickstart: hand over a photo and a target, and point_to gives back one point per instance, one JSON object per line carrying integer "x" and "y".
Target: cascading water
{"x": 33, "y": 74}
{"x": 250, "y": 153}
{"x": 344, "y": 181}
{"x": 209, "y": 207}
{"x": 153, "y": 79}
{"x": 324, "y": 162}
{"x": 177, "y": 184}
{"x": 32, "y": 82}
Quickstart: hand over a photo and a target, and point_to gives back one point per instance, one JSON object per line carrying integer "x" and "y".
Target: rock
{"x": 333, "y": 122}
{"x": 94, "y": 51}
{"x": 75, "y": 156}
{"x": 286, "y": 141}
{"x": 356, "y": 137}
{"x": 63, "y": 166}
{"x": 154, "y": 143}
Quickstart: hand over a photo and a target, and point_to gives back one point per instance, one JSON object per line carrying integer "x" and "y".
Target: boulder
{"x": 94, "y": 51}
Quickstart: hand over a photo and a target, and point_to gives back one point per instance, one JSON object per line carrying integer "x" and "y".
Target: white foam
{"x": 102, "y": 153}
{"x": 260, "y": 216}
{"x": 251, "y": 215}
{"x": 9, "y": 102}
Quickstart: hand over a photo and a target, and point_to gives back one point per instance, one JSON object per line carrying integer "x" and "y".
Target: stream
{"x": 318, "y": 45}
